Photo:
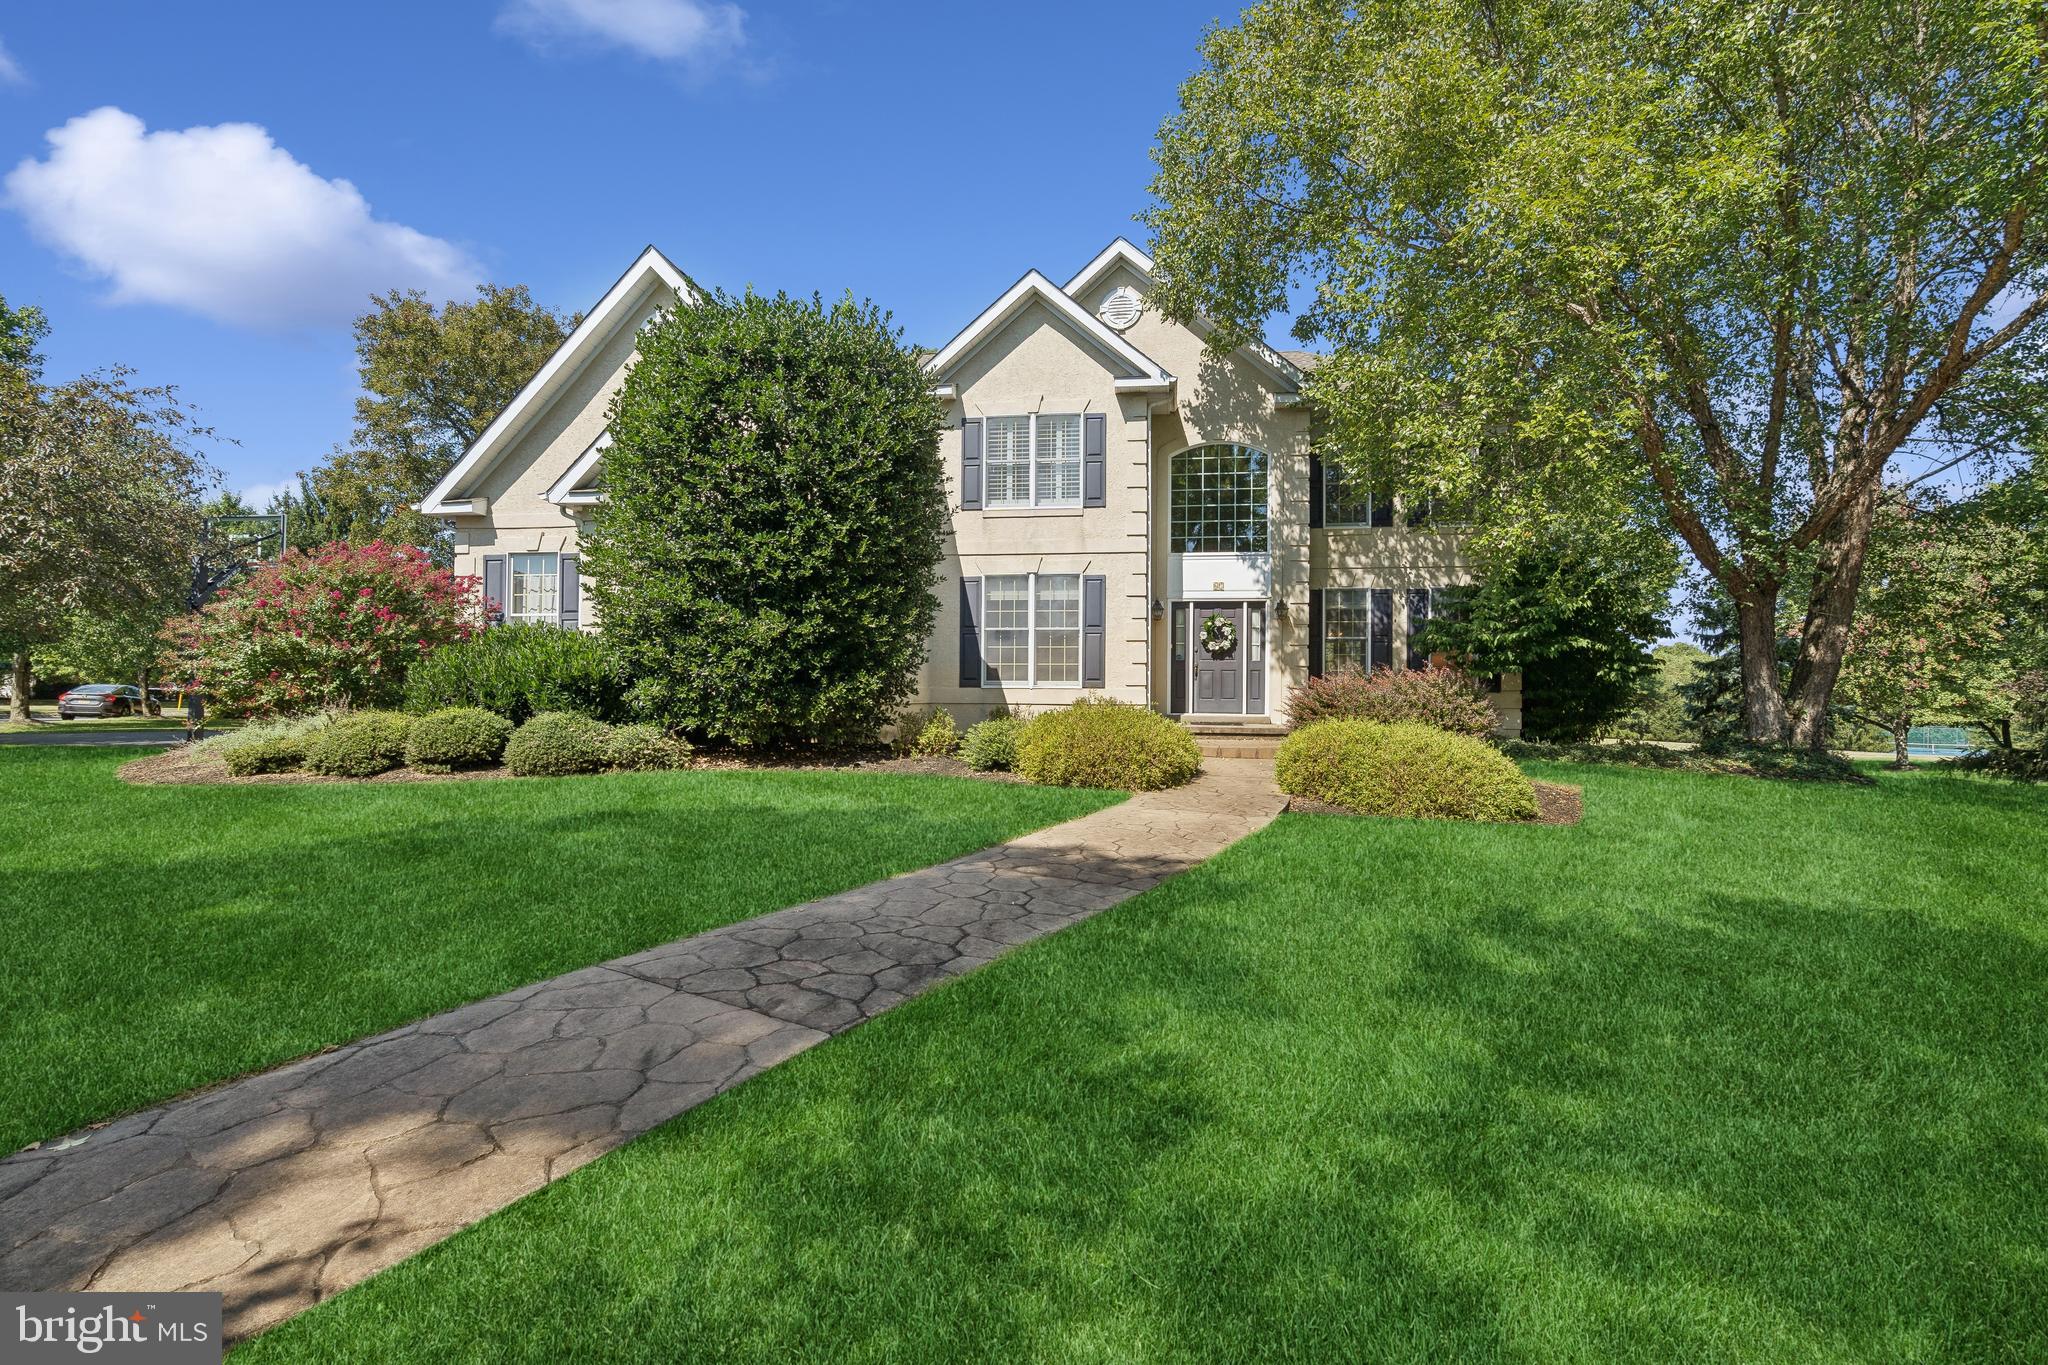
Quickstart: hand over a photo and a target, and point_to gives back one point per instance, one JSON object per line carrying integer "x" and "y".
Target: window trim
{"x": 1031, "y": 679}
{"x": 1033, "y": 500}
{"x": 1371, "y": 639}
{"x": 512, "y": 558}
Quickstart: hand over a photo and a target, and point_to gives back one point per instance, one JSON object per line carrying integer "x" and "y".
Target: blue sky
{"x": 169, "y": 173}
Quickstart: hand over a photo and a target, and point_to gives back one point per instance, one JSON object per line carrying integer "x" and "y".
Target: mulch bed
{"x": 1556, "y": 804}
{"x": 184, "y": 767}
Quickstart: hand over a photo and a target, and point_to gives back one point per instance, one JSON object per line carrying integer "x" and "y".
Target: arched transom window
{"x": 1218, "y": 500}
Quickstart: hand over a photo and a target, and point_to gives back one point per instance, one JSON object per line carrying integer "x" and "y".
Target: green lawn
{"x": 1735, "y": 1070}
{"x": 153, "y": 939}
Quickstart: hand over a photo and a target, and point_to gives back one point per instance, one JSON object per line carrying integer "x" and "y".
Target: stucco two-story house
{"x": 1133, "y": 516}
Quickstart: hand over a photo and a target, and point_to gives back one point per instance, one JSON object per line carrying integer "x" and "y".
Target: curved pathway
{"x": 281, "y": 1189}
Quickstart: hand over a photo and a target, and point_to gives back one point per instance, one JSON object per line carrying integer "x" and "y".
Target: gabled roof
{"x": 1125, "y": 253}
{"x": 578, "y": 485}
{"x": 1143, "y": 372}
{"x": 651, "y": 273}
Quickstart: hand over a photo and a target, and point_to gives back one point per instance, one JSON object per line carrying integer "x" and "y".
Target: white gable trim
{"x": 1036, "y": 287}
{"x": 1123, "y": 252}
{"x": 569, "y": 490}
{"x": 650, "y": 272}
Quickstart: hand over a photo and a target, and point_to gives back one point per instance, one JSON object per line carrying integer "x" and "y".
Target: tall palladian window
{"x": 1217, "y": 501}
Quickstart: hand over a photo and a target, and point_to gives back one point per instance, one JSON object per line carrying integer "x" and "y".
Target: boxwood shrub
{"x": 359, "y": 744}
{"x": 519, "y": 671}
{"x": 456, "y": 737}
{"x": 1107, "y": 744}
{"x": 272, "y": 754}
{"x": 990, "y": 746}
{"x": 558, "y": 743}
{"x": 646, "y": 748}
{"x": 1407, "y": 769}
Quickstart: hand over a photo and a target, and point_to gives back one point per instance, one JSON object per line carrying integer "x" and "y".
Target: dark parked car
{"x": 101, "y": 699}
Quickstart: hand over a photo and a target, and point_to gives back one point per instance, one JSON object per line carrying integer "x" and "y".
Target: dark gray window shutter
{"x": 1418, "y": 622}
{"x": 970, "y": 631}
{"x": 1315, "y": 632}
{"x": 1315, "y": 490}
{"x": 1382, "y": 627}
{"x": 569, "y": 591}
{"x": 494, "y": 589}
{"x": 1094, "y": 473}
{"x": 970, "y": 465}
{"x": 1094, "y": 600}
{"x": 1382, "y": 508}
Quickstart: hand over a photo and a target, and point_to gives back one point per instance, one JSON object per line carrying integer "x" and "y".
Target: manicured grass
{"x": 1735, "y": 1070}
{"x": 43, "y": 718}
{"x": 157, "y": 938}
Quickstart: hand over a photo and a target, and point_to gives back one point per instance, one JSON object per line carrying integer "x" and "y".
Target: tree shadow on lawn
{"x": 131, "y": 978}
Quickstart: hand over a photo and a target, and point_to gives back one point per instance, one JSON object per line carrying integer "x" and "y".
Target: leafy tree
{"x": 99, "y": 507}
{"x": 21, "y": 331}
{"x": 765, "y": 557}
{"x": 1659, "y": 712}
{"x": 1727, "y": 257}
{"x": 1928, "y": 639}
{"x": 1575, "y": 615}
{"x": 432, "y": 381}
{"x": 339, "y": 625}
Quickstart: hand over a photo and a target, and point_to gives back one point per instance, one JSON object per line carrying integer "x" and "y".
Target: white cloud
{"x": 260, "y": 495}
{"x": 10, "y": 70}
{"x": 694, "y": 32}
{"x": 223, "y": 221}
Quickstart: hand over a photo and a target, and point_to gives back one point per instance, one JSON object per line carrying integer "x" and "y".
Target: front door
{"x": 1219, "y": 651}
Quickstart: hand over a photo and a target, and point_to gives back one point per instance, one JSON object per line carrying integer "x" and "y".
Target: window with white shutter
{"x": 1032, "y": 461}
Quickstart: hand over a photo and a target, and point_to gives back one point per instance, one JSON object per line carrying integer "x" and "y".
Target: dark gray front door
{"x": 1219, "y": 674}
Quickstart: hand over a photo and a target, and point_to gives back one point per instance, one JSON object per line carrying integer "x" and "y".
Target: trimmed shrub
{"x": 359, "y": 744}
{"x": 940, "y": 737}
{"x": 646, "y": 748}
{"x": 1407, "y": 769}
{"x": 457, "y": 737}
{"x": 301, "y": 728}
{"x": 557, "y": 744}
{"x": 766, "y": 555}
{"x": 519, "y": 671}
{"x": 1441, "y": 697}
{"x": 278, "y": 754}
{"x": 990, "y": 746}
{"x": 1107, "y": 744}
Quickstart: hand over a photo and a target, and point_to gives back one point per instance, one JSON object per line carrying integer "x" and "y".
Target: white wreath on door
{"x": 1219, "y": 635}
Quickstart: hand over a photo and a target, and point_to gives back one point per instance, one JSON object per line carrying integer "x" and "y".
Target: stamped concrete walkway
{"x": 284, "y": 1188}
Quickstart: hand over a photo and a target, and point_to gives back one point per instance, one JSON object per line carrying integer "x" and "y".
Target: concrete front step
{"x": 1210, "y": 728}
{"x": 1223, "y": 748}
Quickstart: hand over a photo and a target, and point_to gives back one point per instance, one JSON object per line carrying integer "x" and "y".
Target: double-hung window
{"x": 1358, "y": 628}
{"x": 1032, "y": 461}
{"x": 1031, "y": 630}
{"x": 1351, "y": 500}
{"x": 535, "y": 589}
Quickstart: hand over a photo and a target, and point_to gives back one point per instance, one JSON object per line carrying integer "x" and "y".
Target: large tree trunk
{"x": 17, "y": 706}
{"x": 1763, "y": 701}
{"x": 1830, "y": 607}
{"x": 1902, "y": 730}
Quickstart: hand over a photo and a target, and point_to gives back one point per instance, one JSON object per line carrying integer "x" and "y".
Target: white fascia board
{"x": 568, "y": 490}
{"x": 1123, "y": 252}
{"x": 1035, "y": 286}
{"x": 650, "y": 270}
{"x": 464, "y": 507}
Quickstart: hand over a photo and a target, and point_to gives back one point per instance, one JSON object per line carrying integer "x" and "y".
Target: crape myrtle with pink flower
{"x": 339, "y": 626}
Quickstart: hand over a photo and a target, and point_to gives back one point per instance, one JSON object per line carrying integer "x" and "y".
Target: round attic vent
{"x": 1122, "y": 307}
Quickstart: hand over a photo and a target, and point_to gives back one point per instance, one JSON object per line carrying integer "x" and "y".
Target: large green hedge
{"x": 765, "y": 559}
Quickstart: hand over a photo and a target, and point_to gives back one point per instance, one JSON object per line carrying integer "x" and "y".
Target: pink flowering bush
{"x": 339, "y": 625}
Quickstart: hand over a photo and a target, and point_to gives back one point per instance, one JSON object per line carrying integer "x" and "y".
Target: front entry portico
{"x": 1219, "y": 658}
